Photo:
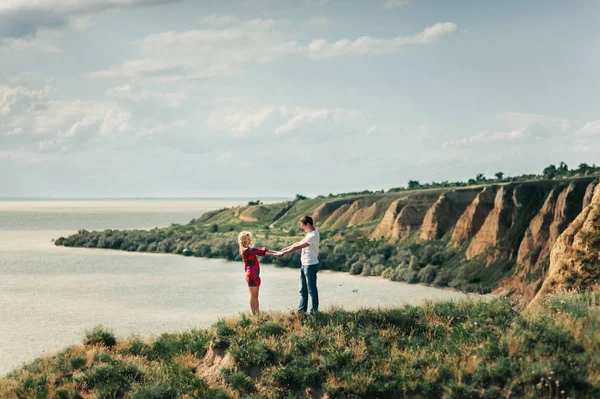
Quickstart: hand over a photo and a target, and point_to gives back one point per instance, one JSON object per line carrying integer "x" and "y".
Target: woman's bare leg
{"x": 254, "y": 299}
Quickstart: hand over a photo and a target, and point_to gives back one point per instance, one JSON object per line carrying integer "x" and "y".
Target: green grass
{"x": 487, "y": 349}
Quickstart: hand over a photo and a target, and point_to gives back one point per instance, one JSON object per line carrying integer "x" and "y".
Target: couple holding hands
{"x": 309, "y": 246}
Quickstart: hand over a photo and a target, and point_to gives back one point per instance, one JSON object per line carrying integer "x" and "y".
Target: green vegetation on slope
{"x": 428, "y": 262}
{"x": 485, "y": 349}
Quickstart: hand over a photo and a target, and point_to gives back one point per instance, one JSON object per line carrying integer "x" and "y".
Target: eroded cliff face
{"x": 325, "y": 210}
{"x": 538, "y": 232}
{"x": 335, "y": 215}
{"x": 560, "y": 208}
{"x": 496, "y": 225}
{"x": 383, "y": 231}
{"x": 403, "y": 217}
{"x": 443, "y": 215}
{"x": 516, "y": 225}
{"x": 474, "y": 216}
{"x": 589, "y": 192}
{"x": 409, "y": 220}
{"x": 575, "y": 258}
{"x": 360, "y": 212}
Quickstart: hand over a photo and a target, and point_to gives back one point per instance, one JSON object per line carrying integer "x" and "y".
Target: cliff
{"x": 470, "y": 222}
{"x": 575, "y": 258}
{"x": 497, "y": 236}
{"x": 443, "y": 215}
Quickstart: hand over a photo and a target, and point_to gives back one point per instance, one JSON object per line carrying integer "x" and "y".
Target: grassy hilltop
{"x": 491, "y": 349}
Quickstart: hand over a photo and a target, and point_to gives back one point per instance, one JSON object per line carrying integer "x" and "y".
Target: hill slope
{"x": 457, "y": 350}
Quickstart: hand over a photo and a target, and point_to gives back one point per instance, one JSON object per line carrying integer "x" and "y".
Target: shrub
{"x": 223, "y": 335}
{"x": 356, "y": 268}
{"x": 443, "y": 278}
{"x": 377, "y": 270}
{"x": 77, "y": 362}
{"x": 111, "y": 380}
{"x": 411, "y": 277}
{"x": 427, "y": 274}
{"x": 158, "y": 390}
{"x": 238, "y": 381}
{"x": 100, "y": 335}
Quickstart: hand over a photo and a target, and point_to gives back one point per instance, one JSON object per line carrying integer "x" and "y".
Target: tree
{"x": 480, "y": 177}
{"x": 300, "y": 197}
{"x": 549, "y": 172}
{"x": 413, "y": 184}
{"x": 584, "y": 169}
{"x": 500, "y": 175}
{"x": 257, "y": 202}
{"x": 563, "y": 168}
{"x": 214, "y": 228}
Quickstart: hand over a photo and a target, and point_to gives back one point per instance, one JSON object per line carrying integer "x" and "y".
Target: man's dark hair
{"x": 307, "y": 220}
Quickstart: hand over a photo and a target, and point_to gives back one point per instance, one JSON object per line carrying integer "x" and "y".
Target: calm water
{"x": 49, "y": 295}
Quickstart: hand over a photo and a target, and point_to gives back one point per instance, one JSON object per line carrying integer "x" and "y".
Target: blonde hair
{"x": 244, "y": 239}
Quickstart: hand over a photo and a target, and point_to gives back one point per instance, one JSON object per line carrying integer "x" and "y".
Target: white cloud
{"x": 22, "y": 18}
{"x": 21, "y": 99}
{"x": 219, "y": 20}
{"x": 78, "y": 6}
{"x": 590, "y": 129}
{"x": 521, "y": 127}
{"x": 389, "y": 4}
{"x": 156, "y": 127}
{"x": 536, "y": 121}
{"x": 320, "y": 21}
{"x": 32, "y": 120}
{"x": 43, "y": 42}
{"x": 246, "y": 117}
{"x": 301, "y": 117}
{"x": 203, "y": 53}
{"x": 486, "y": 137}
{"x": 135, "y": 93}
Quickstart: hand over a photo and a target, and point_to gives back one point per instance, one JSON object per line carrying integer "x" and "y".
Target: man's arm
{"x": 293, "y": 248}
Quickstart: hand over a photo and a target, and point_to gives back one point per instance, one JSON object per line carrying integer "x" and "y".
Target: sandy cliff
{"x": 474, "y": 216}
{"x": 575, "y": 258}
{"x": 443, "y": 215}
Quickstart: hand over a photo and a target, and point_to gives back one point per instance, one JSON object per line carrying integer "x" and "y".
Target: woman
{"x": 251, "y": 266}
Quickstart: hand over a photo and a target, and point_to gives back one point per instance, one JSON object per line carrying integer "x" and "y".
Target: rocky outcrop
{"x": 560, "y": 208}
{"x": 575, "y": 258}
{"x": 474, "y": 216}
{"x": 589, "y": 192}
{"x": 325, "y": 210}
{"x": 403, "y": 217}
{"x": 442, "y": 216}
{"x": 538, "y": 232}
{"x": 363, "y": 215}
{"x": 345, "y": 219}
{"x": 383, "y": 231}
{"x": 568, "y": 206}
{"x": 408, "y": 221}
{"x": 331, "y": 220}
{"x": 496, "y": 225}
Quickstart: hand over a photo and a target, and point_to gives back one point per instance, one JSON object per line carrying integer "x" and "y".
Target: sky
{"x": 244, "y": 98}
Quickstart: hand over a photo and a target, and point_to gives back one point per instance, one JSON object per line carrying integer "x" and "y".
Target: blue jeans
{"x": 308, "y": 286}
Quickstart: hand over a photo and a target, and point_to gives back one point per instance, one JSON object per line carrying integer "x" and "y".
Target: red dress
{"x": 251, "y": 265}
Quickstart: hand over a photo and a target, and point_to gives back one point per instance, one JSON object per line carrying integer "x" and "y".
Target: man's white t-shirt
{"x": 310, "y": 254}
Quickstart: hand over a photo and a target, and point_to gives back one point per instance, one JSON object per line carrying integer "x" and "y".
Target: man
{"x": 310, "y": 264}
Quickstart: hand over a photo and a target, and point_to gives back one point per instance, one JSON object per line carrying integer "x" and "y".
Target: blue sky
{"x": 118, "y": 98}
